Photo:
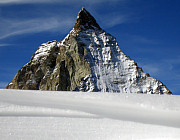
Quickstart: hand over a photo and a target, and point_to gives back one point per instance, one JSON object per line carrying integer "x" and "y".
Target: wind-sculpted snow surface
{"x": 87, "y": 59}
{"x": 46, "y": 115}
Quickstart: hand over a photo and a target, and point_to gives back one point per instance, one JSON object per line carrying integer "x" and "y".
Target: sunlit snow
{"x": 50, "y": 115}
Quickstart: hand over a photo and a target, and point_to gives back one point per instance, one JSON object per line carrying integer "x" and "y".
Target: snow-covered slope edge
{"x": 54, "y": 115}
{"x": 151, "y": 109}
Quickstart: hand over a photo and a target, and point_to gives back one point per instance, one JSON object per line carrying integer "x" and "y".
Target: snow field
{"x": 46, "y": 115}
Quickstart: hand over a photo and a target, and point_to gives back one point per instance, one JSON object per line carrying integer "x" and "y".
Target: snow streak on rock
{"x": 111, "y": 69}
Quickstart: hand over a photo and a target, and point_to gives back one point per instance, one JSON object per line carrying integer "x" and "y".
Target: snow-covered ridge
{"x": 87, "y": 103}
{"x": 44, "y": 50}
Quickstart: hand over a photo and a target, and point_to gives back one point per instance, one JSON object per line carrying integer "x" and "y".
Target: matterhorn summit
{"x": 87, "y": 59}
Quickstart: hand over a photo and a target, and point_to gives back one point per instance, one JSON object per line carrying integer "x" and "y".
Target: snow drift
{"x": 76, "y": 115}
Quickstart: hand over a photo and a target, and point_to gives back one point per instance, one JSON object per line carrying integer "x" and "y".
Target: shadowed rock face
{"x": 85, "y": 21}
{"x": 88, "y": 59}
{"x": 58, "y": 68}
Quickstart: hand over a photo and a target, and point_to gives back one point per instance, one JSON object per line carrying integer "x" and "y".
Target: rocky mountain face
{"x": 88, "y": 59}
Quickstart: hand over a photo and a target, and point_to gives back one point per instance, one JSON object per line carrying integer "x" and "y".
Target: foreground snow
{"x": 46, "y": 115}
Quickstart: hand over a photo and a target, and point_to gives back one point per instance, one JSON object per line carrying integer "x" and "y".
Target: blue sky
{"x": 146, "y": 30}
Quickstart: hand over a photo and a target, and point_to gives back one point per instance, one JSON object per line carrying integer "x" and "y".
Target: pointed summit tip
{"x": 82, "y": 9}
{"x": 85, "y": 21}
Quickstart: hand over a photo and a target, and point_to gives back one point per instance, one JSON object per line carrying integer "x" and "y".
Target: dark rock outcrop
{"x": 85, "y": 21}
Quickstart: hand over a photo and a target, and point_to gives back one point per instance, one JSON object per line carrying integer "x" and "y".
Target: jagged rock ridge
{"x": 88, "y": 59}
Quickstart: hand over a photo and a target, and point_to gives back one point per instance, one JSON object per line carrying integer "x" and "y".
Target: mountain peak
{"x": 85, "y": 21}
{"x": 87, "y": 59}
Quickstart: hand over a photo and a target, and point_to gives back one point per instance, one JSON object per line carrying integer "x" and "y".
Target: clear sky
{"x": 146, "y": 30}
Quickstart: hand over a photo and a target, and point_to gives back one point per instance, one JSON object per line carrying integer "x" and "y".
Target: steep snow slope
{"x": 50, "y": 115}
{"x": 111, "y": 69}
